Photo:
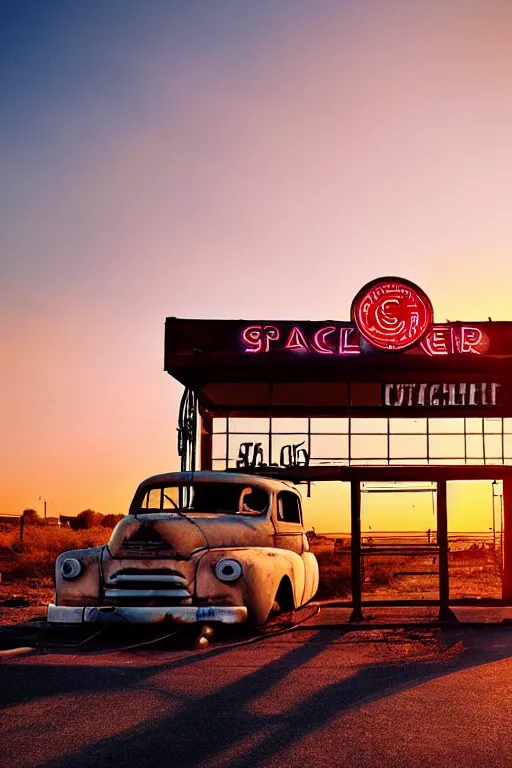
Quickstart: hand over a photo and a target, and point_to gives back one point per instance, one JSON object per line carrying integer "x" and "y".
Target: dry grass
{"x": 472, "y": 573}
{"x": 335, "y": 569}
{"x": 34, "y": 559}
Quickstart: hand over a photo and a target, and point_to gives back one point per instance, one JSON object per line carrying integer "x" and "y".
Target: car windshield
{"x": 230, "y": 498}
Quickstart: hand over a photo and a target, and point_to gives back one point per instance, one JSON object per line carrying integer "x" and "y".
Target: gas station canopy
{"x": 390, "y": 359}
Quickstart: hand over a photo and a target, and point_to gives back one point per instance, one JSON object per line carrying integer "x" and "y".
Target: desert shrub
{"x": 335, "y": 581}
{"x": 110, "y": 521}
{"x": 335, "y": 571}
{"x": 88, "y": 519}
{"x": 322, "y": 547}
{"x": 379, "y": 575}
{"x": 31, "y": 517}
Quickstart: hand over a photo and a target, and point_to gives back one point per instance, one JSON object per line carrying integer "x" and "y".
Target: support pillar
{"x": 355, "y": 524}
{"x": 507, "y": 541}
{"x": 206, "y": 441}
{"x": 445, "y": 612}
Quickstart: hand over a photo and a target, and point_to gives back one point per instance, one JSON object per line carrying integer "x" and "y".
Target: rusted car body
{"x": 195, "y": 547}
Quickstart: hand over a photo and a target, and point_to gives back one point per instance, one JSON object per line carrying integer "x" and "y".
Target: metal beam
{"x": 355, "y": 515}
{"x": 445, "y": 613}
{"x": 206, "y": 443}
{"x": 386, "y": 473}
{"x": 507, "y": 540}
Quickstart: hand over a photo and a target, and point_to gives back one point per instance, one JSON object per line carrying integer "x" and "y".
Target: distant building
{"x": 51, "y": 521}
{"x": 10, "y": 519}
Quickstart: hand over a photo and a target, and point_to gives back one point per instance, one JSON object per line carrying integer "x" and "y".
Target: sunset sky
{"x": 225, "y": 159}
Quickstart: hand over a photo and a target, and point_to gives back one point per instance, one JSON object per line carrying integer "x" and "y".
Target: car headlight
{"x": 70, "y": 568}
{"x": 228, "y": 569}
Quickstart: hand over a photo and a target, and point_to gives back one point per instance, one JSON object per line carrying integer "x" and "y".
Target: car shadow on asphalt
{"x": 210, "y": 726}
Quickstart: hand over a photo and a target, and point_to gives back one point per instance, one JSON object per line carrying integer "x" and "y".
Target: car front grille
{"x": 161, "y": 586}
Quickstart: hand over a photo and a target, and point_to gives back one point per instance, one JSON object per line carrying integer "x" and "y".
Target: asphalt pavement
{"x": 318, "y": 695}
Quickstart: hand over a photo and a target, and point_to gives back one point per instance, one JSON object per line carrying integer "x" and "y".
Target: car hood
{"x": 179, "y": 535}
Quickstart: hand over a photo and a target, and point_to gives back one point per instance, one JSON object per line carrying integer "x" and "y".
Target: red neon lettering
{"x": 318, "y": 342}
{"x": 473, "y": 341}
{"x": 438, "y": 341}
{"x": 346, "y": 348}
{"x": 259, "y": 337}
{"x": 296, "y": 340}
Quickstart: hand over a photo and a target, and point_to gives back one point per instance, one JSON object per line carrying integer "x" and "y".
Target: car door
{"x": 288, "y": 522}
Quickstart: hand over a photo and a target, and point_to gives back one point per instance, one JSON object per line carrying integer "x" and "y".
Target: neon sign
{"x": 388, "y": 314}
{"x": 447, "y": 339}
{"x": 343, "y": 339}
{"x": 392, "y": 313}
{"x": 327, "y": 340}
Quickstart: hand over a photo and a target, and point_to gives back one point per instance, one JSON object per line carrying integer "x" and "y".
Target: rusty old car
{"x": 194, "y": 547}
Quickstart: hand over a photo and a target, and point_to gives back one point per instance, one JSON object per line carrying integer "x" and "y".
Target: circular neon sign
{"x": 392, "y": 313}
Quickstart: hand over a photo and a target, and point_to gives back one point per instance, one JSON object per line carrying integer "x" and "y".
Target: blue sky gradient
{"x": 227, "y": 159}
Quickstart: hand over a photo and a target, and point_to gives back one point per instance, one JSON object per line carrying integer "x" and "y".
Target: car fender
{"x": 311, "y": 576}
{"x": 85, "y": 589}
{"x": 263, "y": 569}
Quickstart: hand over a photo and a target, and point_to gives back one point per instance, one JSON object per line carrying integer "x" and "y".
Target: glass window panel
{"x": 492, "y": 425}
{"x": 171, "y": 498}
{"x": 474, "y": 425}
{"x": 219, "y": 446}
{"x": 508, "y": 445}
{"x": 219, "y": 424}
{"x": 474, "y": 446}
{"x": 329, "y": 446}
{"x": 290, "y": 425}
{"x": 410, "y": 426}
{"x": 369, "y": 447}
{"x": 408, "y": 446}
{"x": 493, "y": 447}
{"x": 408, "y": 461}
{"x": 219, "y": 464}
{"x": 507, "y": 425}
{"x": 446, "y": 446}
{"x": 329, "y": 426}
{"x": 249, "y": 425}
{"x": 368, "y": 426}
{"x": 445, "y": 426}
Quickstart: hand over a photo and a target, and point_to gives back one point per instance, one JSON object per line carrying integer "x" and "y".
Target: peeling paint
{"x": 169, "y": 572}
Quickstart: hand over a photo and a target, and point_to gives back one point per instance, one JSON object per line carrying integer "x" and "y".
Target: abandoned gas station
{"x": 433, "y": 402}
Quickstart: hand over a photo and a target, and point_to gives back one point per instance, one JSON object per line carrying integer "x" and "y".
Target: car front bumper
{"x": 187, "y": 614}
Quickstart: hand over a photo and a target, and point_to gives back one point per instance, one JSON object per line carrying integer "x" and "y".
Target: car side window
{"x": 256, "y": 500}
{"x": 288, "y": 507}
